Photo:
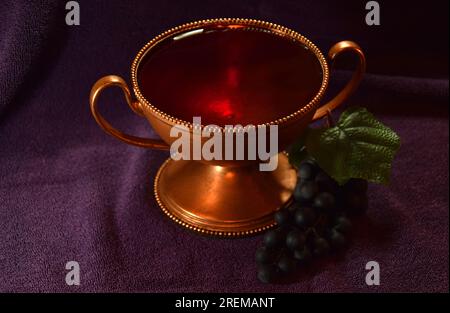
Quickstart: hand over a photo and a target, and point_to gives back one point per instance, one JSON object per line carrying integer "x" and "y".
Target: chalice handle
{"x": 113, "y": 80}
{"x": 352, "y": 85}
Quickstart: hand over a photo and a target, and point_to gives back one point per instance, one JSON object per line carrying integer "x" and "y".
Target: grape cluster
{"x": 315, "y": 224}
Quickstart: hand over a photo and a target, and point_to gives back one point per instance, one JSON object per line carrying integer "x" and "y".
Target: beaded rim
{"x": 230, "y": 21}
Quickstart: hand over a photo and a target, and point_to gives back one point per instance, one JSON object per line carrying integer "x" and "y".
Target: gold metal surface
{"x": 113, "y": 80}
{"x": 228, "y": 201}
{"x": 352, "y": 85}
{"x": 228, "y": 198}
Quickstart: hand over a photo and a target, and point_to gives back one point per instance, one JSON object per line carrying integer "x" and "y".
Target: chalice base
{"x": 223, "y": 201}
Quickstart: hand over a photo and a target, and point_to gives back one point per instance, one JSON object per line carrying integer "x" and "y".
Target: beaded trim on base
{"x": 197, "y": 229}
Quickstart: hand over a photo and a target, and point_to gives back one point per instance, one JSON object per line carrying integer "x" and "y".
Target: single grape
{"x": 304, "y": 217}
{"x": 282, "y": 217}
{"x": 305, "y": 191}
{"x": 303, "y": 255}
{"x": 273, "y": 238}
{"x": 300, "y": 219}
{"x": 321, "y": 247}
{"x": 337, "y": 239}
{"x": 264, "y": 255}
{"x": 307, "y": 170}
{"x": 343, "y": 225}
{"x": 324, "y": 201}
{"x": 357, "y": 185}
{"x": 287, "y": 264}
{"x": 267, "y": 273}
{"x": 295, "y": 240}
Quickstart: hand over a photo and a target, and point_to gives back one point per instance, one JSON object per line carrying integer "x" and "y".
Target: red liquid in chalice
{"x": 229, "y": 76}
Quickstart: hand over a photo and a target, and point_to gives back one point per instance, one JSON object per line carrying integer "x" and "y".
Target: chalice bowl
{"x": 226, "y": 71}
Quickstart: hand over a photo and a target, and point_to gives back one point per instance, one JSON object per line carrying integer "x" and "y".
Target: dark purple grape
{"x": 273, "y": 238}
{"x": 264, "y": 255}
{"x": 287, "y": 264}
{"x": 306, "y": 191}
{"x": 304, "y": 217}
{"x": 295, "y": 240}
{"x": 268, "y": 273}
{"x": 282, "y": 217}
{"x": 324, "y": 201}
{"x": 321, "y": 247}
{"x": 307, "y": 170}
{"x": 337, "y": 240}
{"x": 343, "y": 225}
{"x": 303, "y": 255}
{"x": 296, "y": 193}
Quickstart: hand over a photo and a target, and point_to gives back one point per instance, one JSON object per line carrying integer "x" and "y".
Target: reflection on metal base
{"x": 223, "y": 201}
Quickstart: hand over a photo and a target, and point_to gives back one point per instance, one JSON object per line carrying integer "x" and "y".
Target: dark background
{"x": 70, "y": 192}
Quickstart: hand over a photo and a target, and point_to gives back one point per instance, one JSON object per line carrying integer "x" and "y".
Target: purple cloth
{"x": 70, "y": 192}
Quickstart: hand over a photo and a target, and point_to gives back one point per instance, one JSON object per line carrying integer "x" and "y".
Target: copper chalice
{"x": 240, "y": 71}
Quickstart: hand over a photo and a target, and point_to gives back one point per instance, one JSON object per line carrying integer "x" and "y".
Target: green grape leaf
{"x": 358, "y": 146}
{"x": 297, "y": 151}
